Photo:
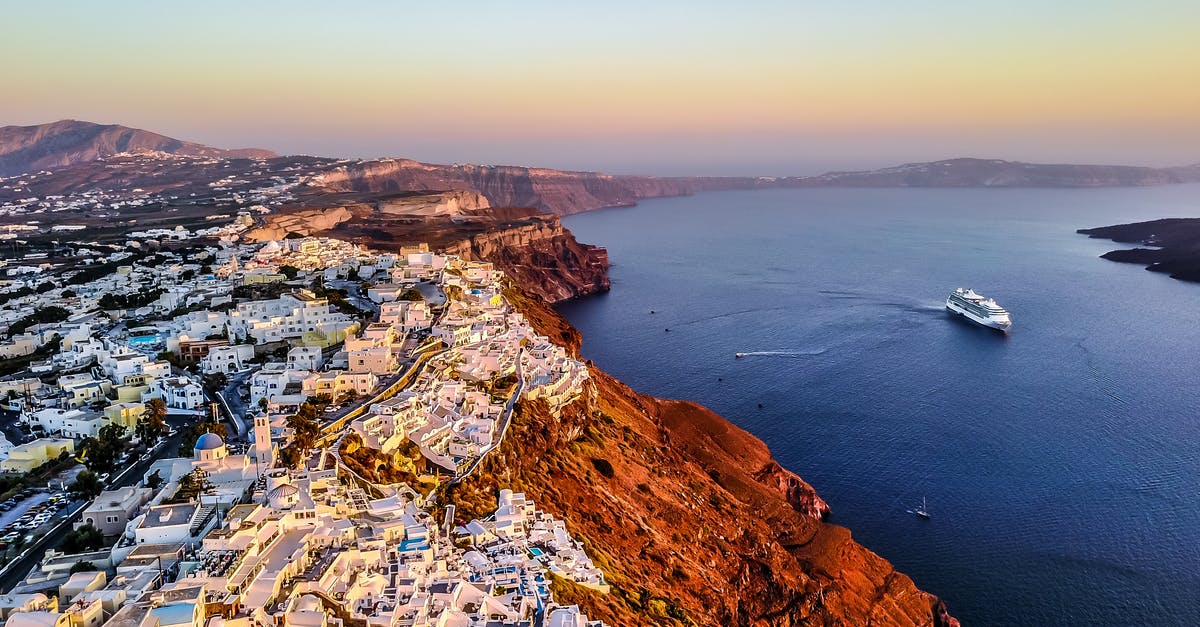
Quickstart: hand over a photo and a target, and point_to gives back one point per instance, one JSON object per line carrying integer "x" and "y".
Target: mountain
{"x": 969, "y": 172}
{"x": 69, "y": 142}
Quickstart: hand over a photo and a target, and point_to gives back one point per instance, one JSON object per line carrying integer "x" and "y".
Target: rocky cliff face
{"x": 543, "y": 256}
{"x": 565, "y": 192}
{"x": 531, "y": 246}
{"x": 695, "y": 523}
{"x": 556, "y": 191}
{"x": 68, "y": 142}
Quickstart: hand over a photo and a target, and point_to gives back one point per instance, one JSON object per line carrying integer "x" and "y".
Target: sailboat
{"x": 921, "y": 511}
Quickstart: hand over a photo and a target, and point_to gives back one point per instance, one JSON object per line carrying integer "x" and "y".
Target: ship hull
{"x": 986, "y": 322}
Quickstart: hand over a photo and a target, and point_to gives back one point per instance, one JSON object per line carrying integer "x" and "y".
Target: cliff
{"x": 556, "y": 191}
{"x": 69, "y": 142}
{"x": 1175, "y": 242}
{"x": 542, "y": 255}
{"x": 695, "y": 523}
{"x": 531, "y": 246}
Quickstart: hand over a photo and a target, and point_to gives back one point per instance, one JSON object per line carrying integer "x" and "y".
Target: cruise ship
{"x": 978, "y": 309}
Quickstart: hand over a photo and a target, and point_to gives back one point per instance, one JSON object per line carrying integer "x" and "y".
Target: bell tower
{"x": 264, "y": 453}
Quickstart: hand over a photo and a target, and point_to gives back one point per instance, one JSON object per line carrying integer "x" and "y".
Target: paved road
{"x": 355, "y": 296}
{"x": 230, "y": 399}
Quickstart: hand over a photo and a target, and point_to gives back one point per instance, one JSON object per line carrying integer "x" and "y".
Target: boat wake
{"x": 808, "y": 353}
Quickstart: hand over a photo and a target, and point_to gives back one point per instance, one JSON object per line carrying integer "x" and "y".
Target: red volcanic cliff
{"x": 557, "y": 191}
{"x": 532, "y": 247}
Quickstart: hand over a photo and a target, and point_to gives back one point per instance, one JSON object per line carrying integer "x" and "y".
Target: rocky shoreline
{"x": 1174, "y": 242}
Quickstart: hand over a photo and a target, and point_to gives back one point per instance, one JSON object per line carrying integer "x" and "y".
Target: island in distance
{"x": 1174, "y": 242}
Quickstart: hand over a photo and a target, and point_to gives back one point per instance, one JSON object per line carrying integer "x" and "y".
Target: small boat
{"x": 739, "y": 355}
{"x": 921, "y": 511}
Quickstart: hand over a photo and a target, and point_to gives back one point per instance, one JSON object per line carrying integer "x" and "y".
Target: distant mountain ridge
{"x": 972, "y": 172}
{"x": 74, "y": 143}
{"x": 69, "y": 142}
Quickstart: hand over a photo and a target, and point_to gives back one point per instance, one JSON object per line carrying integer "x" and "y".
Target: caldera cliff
{"x": 690, "y": 518}
{"x": 532, "y": 247}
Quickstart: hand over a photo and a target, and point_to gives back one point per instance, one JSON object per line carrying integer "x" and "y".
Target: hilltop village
{"x": 259, "y": 434}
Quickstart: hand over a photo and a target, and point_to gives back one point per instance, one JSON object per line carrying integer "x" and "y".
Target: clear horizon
{"x": 670, "y": 89}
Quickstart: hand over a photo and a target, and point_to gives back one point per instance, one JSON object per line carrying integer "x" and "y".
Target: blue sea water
{"x": 1061, "y": 463}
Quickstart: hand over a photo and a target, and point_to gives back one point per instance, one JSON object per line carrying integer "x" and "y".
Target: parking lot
{"x": 27, "y": 512}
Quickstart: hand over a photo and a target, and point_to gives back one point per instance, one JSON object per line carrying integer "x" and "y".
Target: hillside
{"x": 968, "y": 172}
{"x": 69, "y": 142}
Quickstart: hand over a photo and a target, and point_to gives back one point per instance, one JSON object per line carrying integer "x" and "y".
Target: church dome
{"x": 209, "y": 447}
{"x": 283, "y": 496}
{"x": 209, "y": 442}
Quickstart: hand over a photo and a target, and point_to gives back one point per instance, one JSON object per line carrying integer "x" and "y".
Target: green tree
{"x": 101, "y": 452}
{"x": 305, "y": 426}
{"x": 86, "y": 486}
{"x": 412, "y": 293}
{"x": 153, "y": 423}
{"x": 188, "y": 443}
{"x": 154, "y": 481}
{"x": 192, "y": 485}
{"x": 42, "y": 315}
{"x": 85, "y": 538}
{"x": 82, "y": 567}
{"x": 289, "y": 271}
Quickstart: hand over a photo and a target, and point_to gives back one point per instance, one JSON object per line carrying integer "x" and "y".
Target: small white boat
{"x": 739, "y": 355}
{"x": 921, "y": 511}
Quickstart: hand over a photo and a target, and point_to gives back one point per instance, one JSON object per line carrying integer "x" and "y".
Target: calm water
{"x": 1061, "y": 463}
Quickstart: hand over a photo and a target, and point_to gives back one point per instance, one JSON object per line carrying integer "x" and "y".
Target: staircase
{"x": 200, "y": 519}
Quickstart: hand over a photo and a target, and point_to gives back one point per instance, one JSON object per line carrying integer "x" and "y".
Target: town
{"x": 215, "y": 433}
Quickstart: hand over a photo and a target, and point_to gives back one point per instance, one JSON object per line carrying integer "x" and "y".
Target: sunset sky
{"x": 642, "y": 87}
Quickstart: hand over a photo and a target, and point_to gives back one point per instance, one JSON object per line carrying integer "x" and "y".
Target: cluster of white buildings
{"x": 255, "y": 544}
{"x": 304, "y": 547}
{"x": 456, "y": 411}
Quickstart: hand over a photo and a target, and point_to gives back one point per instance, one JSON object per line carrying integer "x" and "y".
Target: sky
{"x": 669, "y": 88}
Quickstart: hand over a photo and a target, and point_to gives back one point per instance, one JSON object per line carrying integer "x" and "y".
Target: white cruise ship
{"x": 978, "y": 309}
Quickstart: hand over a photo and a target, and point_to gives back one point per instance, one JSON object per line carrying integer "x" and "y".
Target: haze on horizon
{"x": 770, "y": 88}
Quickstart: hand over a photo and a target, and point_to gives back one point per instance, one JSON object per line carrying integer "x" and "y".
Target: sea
{"x": 1060, "y": 462}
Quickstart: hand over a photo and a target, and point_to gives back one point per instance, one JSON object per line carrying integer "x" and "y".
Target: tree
{"x": 85, "y": 538}
{"x": 86, "y": 486}
{"x": 101, "y": 452}
{"x": 289, "y": 271}
{"x": 153, "y": 423}
{"x": 412, "y": 293}
{"x": 188, "y": 443}
{"x": 306, "y": 428}
{"x": 215, "y": 382}
{"x": 82, "y": 567}
{"x": 42, "y": 315}
{"x": 154, "y": 481}
{"x": 192, "y": 485}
